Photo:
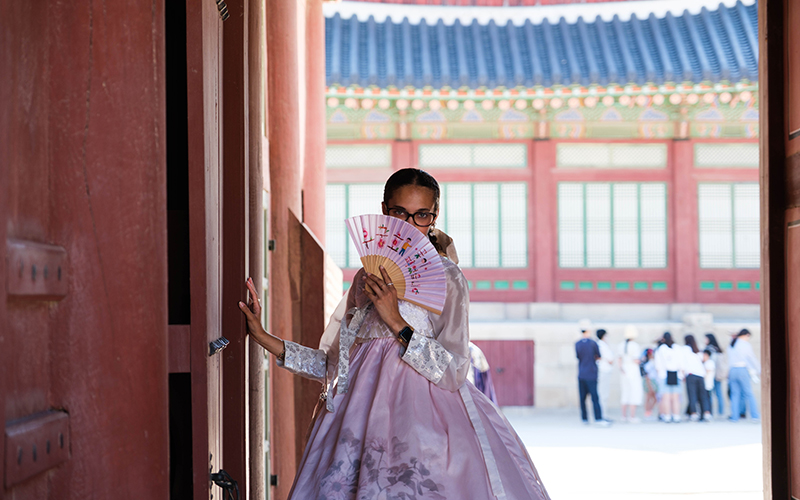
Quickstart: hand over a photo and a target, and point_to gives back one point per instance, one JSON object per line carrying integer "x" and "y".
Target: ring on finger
{"x": 390, "y": 284}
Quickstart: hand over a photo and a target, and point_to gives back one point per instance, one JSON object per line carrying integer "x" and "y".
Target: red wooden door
{"x": 511, "y": 364}
{"x": 83, "y": 301}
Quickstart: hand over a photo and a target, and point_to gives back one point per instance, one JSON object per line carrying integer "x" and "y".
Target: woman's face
{"x": 409, "y": 200}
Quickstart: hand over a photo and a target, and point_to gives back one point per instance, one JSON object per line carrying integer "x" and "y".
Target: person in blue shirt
{"x": 588, "y": 353}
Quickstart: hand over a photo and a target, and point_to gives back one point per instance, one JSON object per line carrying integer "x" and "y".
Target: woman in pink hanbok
{"x": 401, "y": 420}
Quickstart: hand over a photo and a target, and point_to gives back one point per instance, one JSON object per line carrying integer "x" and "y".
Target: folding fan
{"x": 413, "y": 265}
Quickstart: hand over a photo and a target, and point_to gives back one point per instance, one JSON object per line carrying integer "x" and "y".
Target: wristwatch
{"x": 405, "y": 335}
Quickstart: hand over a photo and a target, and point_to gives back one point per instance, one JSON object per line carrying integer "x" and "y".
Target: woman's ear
{"x": 384, "y": 208}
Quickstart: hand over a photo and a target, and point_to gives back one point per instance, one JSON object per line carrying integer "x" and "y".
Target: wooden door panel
{"x": 203, "y": 93}
{"x": 793, "y": 329}
{"x": 511, "y": 364}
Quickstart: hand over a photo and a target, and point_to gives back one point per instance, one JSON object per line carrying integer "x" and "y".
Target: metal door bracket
{"x": 35, "y": 444}
{"x": 36, "y": 270}
{"x": 217, "y": 345}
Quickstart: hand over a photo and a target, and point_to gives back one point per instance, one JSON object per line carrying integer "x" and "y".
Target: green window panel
{"x": 346, "y": 285}
{"x": 725, "y": 285}
{"x": 604, "y": 285}
{"x": 622, "y": 285}
{"x": 341, "y": 202}
{"x": 469, "y": 285}
{"x": 612, "y": 225}
{"x": 659, "y": 285}
{"x": 501, "y": 285}
{"x": 567, "y": 285}
{"x": 585, "y": 285}
{"x": 483, "y": 285}
{"x": 488, "y": 222}
{"x": 706, "y": 285}
{"x": 743, "y": 285}
{"x": 640, "y": 285}
{"x": 728, "y": 224}
{"x": 758, "y": 285}
{"x": 520, "y": 285}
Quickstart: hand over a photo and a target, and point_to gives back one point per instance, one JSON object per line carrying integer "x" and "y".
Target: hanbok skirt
{"x": 395, "y": 435}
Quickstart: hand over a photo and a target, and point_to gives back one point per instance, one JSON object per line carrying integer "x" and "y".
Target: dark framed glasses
{"x": 421, "y": 219}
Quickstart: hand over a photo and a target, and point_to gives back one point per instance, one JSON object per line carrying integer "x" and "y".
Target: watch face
{"x": 406, "y": 334}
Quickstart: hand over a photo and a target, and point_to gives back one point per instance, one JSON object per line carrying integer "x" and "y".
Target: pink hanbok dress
{"x": 405, "y": 423}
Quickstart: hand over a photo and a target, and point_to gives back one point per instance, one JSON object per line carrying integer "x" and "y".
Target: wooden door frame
{"x": 204, "y": 77}
{"x": 773, "y": 184}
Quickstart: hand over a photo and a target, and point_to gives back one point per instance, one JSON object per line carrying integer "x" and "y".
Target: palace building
{"x": 597, "y": 161}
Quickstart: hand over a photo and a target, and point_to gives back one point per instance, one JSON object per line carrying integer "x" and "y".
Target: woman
{"x": 720, "y": 370}
{"x": 402, "y": 422}
{"x": 668, "y": 366}
{"x": 650, "y": 379}
{"x": 742, "y": 363}
{"x": 631, "y": 380}
{"x": 695, "y": 372}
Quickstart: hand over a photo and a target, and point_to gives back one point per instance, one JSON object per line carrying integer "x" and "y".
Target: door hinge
{"x": 222, "y": 7}
{"x": 229, "y": 487}
{"x": 271, "y": 245}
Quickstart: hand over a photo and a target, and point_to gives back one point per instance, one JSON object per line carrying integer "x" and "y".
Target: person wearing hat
{"x": 588, "y": 353}
{"x": 631, "y": 378}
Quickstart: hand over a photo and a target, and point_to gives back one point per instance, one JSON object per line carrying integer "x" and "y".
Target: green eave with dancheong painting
{"x": 684, "y": 111}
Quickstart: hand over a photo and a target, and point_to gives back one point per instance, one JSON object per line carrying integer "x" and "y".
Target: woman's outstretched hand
{"x": 252, "y": 310}
{"x": 383, "y": 295}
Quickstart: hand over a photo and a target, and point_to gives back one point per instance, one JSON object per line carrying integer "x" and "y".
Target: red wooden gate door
{"x": 83, "y": 297}
{"x": 511, "y": 364}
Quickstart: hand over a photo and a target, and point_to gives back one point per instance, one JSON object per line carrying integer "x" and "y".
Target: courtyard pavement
{"x": 647, "y": 461}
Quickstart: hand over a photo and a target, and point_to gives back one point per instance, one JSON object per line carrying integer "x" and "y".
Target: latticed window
{"x": 612, "y": 225}
{"x": 358, "y": 156}
{"x": 487, "y": 221}
{"x": 725, "y": 155}
{"x": 611, "y": 156}
{"x": 729, "y": 225}
{"x": 508, "y": 155}
{"x": 343, "y": 201}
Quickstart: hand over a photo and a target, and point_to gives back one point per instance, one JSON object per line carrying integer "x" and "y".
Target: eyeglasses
{"x": 422, "y": 219}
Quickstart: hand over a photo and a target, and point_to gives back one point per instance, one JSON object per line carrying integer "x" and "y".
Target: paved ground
{"x": 647, "y": 461}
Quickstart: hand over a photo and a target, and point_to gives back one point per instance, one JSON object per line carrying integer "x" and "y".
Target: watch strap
{"x": 405, "y": 335}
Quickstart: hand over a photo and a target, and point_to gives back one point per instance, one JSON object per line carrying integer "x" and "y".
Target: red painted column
{"x": 403, "y": 155}
{"x": 314, "y": 178}
{"x": 683, "y": 217}
{"x": 285, "y": 172}
{"x": 543, "y": 237}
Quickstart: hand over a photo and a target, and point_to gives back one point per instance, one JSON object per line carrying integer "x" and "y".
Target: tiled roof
{"x": 717, "y": 44}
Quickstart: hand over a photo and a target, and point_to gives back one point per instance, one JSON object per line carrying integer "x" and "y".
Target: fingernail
{"x": 241, "y": 304}
{"x": 381, "y": 267}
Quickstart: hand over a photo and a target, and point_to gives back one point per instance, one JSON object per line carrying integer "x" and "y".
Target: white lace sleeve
{"x": 428, "y": 357}
{"x": 304, "y": 361}
{"x": 443, "y": 356}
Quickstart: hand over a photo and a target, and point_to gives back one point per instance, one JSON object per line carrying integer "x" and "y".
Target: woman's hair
{"x": 742, "y": 333}
{"x": 601, "y": 333}
{"x": 712, "y": 340}
{"x": 689, "y": 340}
{"x": 414, "y": 177}
{"x": 667, "y": 338}
{"x": 411, "y": 177}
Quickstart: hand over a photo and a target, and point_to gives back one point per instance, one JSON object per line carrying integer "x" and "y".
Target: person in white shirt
{"x": 695, "y": 373}
{"x": 710, "y": 378}
{"x": 743, "y": 364}
{"x": 605, "y": 365}
{"x": 628, "y": 352}
{"x": 668, "y": 367}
